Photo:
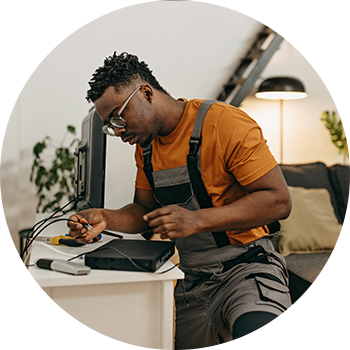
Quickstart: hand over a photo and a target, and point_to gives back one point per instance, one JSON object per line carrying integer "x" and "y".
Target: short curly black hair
{"x": 120, "y": 71}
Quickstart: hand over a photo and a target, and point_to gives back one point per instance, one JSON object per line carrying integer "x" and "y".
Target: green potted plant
{"x": 53, "y": 171}
{"x": 335, "y": 126}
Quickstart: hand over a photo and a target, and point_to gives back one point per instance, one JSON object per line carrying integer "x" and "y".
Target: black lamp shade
{"x": 281, "y": 88}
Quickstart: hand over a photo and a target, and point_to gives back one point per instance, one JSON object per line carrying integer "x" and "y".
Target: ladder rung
{"x": 255, "y": 54}
{"x": 233, "y": 82}
{"x": 240, "y": 81}
{"x": 245, "y": 63}
{"x": 260, "y": 39}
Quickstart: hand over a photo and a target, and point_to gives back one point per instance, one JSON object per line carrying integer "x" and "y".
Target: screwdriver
{"x": 70, "y": 241}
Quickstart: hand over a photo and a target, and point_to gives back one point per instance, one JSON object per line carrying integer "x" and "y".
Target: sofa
{"x": 308, "y": 236}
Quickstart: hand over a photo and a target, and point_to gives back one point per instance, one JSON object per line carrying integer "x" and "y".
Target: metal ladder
{"x": 251, "y": 66}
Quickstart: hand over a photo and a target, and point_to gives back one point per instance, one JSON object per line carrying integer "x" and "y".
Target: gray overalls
{"x": 222, "y": 280}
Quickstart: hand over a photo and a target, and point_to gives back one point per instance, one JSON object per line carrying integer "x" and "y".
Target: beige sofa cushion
{"x": 312, "y": 226}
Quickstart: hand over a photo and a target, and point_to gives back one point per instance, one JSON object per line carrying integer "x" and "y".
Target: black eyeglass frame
{"x": 117, "y": 121}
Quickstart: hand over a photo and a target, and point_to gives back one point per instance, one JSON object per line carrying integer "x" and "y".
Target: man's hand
{"x": 94, "y": 217}
{"x": 172, "y": 221}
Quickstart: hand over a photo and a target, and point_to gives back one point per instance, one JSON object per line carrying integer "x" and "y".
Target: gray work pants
{"x": 209, "y": 301}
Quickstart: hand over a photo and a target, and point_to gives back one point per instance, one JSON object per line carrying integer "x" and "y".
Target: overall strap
{"x": 147, "y": 165}
{"x": 148, "y": 169}
{"x": 198, "y": 186}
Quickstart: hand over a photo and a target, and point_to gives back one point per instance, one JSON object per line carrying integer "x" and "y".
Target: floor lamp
{"x": 281, "y": 88}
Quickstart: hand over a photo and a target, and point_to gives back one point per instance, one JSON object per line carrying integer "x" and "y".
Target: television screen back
{"x": 91, "y": 163}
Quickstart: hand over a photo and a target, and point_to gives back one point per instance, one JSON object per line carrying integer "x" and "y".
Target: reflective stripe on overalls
{"x": 184, "y": 186}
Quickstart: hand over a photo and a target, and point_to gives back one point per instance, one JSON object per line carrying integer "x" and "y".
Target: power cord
{"x": 35, "y": 227}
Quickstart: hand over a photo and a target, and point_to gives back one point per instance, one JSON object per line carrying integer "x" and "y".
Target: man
{"x": 207, "y": 180}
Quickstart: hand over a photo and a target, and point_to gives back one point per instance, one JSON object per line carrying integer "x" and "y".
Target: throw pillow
{"x": 312, "y": 175}
{"x": 312, "y": 226}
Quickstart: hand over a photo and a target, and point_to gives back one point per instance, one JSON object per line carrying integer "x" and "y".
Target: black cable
{"x": 31, "y": 232}
{"x": 36, "y": 235}
{"x": 159, "y": 273}
{"x": 53, "y": 215}
{"x": 112, "y": 234}
{"x": 41, "y": 223}
{"x": 77, "y": 256}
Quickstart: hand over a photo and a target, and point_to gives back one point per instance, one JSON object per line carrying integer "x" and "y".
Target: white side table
{"x": 132, "y": 307}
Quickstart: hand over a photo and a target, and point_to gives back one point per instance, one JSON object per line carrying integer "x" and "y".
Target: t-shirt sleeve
{"x": 243, "y": 147}
{"x": 141, "y": 179}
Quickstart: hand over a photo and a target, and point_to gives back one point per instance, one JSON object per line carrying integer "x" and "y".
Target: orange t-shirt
{"x": 234, "y": 154}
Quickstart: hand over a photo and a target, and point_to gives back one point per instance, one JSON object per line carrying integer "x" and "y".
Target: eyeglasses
{"x": 117, "y": 121}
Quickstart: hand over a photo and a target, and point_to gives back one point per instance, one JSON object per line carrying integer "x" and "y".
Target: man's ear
{"x": 147, "y": 92}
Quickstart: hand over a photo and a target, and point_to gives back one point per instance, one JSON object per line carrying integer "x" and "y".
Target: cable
{"x": 6, "y": 243}
{"x": 159, "y": 273}
{"x": 28, "y": 244}
{"x": 78, "y": 256}
{"x": 42, "y": 222}
{"x": 112, "y": 234}
{"x": 52, "y": 215}
{"x": 31, "y": 232}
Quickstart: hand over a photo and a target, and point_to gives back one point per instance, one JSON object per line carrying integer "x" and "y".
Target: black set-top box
{"x": 130, "y": 255}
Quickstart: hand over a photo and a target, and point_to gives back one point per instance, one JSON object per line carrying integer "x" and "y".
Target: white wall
{"x": 49, "y": 50}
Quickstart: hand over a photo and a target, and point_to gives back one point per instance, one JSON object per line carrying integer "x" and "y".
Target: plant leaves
{"x": 71, "y": 129}
{"x": 54, "y": 179}
{"x": 336, "y": 130}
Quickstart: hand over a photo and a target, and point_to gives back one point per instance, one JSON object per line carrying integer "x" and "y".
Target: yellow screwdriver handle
{"x": 55, "y": 240}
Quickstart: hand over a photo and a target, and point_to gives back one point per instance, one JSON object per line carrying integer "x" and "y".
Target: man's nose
{"x": 119, "y": 131}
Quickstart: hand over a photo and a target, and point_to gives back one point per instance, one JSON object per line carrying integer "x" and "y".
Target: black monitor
{"x": 91, "y": 163}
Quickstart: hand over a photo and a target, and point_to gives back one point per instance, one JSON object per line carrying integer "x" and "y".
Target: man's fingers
{"x": 76, "y": 232}
{"x": 75, "y": 222}
{"x": 157, "y": 213}
{"x": 160, "y": 212}
{"x": 84, "y": 239}
{"x": 160, "y": 220}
